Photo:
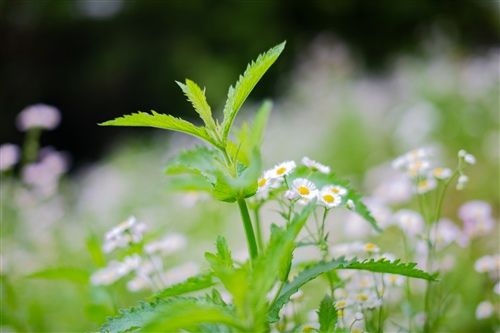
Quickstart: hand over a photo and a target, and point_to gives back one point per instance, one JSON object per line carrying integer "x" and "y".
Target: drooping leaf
{"x": 164, "y": 121}
{"x": 195, "y": 283}
{"x": 62, "y": 273}
{"x": 245, "y": 84}
{"x": 306, "y": 275}
{"x": 199, "y": 160}
{"x": 311, "y": 272}
{"x": 131, "y": 319}
{"x": 327, "y": 315}
{"x": 197, "y": 97}
{"x": 95, "y": 252}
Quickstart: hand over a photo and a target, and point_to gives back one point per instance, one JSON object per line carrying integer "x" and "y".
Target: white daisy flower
{"x": 335, "y": 189}
{"x": 462, "y": 180}
{"x": 370, "y": 247}
{"x": 282, "y": 169}
{"x": 426, "y": 185}
{"x": 469, "y": 159}
{"x": 38, "y": 116}
{"x": 329, "y": 199}
{"x": 350, "y": 204}
{"x": 315, "y": 166}
{"x": 484, "y": 310}
{"x": 441, "y": 173}
{"x": 305, "y": 189}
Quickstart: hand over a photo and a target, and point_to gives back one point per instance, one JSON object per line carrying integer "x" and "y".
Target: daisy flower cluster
{"x": 416, "y": 164}
{"x": 146, "y": 261}
{"x": 490, "y": 307}
{"x": 301, "y": 189}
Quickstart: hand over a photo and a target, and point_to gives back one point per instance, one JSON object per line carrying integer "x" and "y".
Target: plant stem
{"x": 260, "y": 241}
{"x": 247, "y": 223}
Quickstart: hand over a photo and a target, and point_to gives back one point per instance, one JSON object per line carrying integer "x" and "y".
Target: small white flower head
{"x": 169, "y": 244}
{"x": 106, "y": 275}
{"x": 496, "y": 288}
{"x": 462, "y": 180}
{"x": 394, "y": 280}
{"x": 265, "y": 180}
{"x": 485, "y": 264}
{"x": 315, "y": 166}
{"x": 309, "y": 328}
{"x": 350, "y": 204}
{"x": 409, "y": 221}
{"x": 418, "y": 168}
{"x": 461, "y": 153}
{"x": 371, "y": 248}
{"x": 128, "y": 231}
{"x": 291, "y": 195}
{"x": 359, "y": 316}
{"x": 484, "y": 310}
{"x": 474, "y": 210}
{"x": 426, "y": 185}
{"x": 9, "y": 156}
{"x": 329, "y": 199}
{"x": 469, "y": 159}
{"x": 38, "y": 116}
{"x": 342, "y": 303}
{"x": 137, "y": 284}
{"x": 366, "y": 300}
{"x": 335, "y": 189}
{"x": 442, "y": 173}
{"x": 305, "y": 189}
{"x": 446, "y": 232}
{"x": 282, "y": 169}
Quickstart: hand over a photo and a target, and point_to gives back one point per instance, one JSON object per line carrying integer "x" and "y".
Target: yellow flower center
{"x": 307, "y": 328}
{"x": 438, "y": 172}
{"x": 422, "y": 184}
{"x": 335, "y": 190}
{"x": 361, "y": 297}
{"x": 340, "y": 304}
{"x": 281, "y": 171}
{"x": 262, "y": 182}
{"x": 370, "y": 247}
{"x": 340, "y": 313}
{"x": 303, "y": 190}
{"x": 328, "y": 198}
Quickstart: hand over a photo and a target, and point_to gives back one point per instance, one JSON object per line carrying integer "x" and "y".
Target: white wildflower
{"x": 484, "y": 310}
{"x": 315, "y": 166}
{"x": 470, "y": 159}
{"x": 409, "y": 221}
{"x": 38, "y": 116}
{"x": 282, "y": 169}
{"x": 329, "y": 199}
{"x": 168, "y": 244}
{"x": 9, "y": 156}
{"x": 442, "y": 173}
{"x": 426, "y": 185}
{"x": 305, "y": 189}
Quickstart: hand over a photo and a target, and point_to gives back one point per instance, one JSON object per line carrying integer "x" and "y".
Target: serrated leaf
{"x": 311, "y": 272}
{"x": 185, "y": 313}
{"x": 197, "y": 97}
{"x": 62, "y": 273}
{"x": 391, "y": 267}
{"x": 200, "y": 161}
{"x": 245, "y": 84}
{"x": 195, "y": 283}
{"x": 189, "y": 183}
{"x": 131, "y": 319}
{"x": 164, "y": 121}
{"x": 250, "y": 135}
{"x": 327, "y": 315}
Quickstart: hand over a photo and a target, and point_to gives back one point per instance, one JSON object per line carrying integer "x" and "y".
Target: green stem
{"x": 247, "y": 223}
{"x": 31, "y": 145}
{"x": 260, "y": 241}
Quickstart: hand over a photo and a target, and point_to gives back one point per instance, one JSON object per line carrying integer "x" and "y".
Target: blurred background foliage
{"x": 96, "y": 60}
{"x": 359, "y": 83}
